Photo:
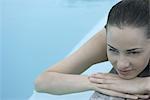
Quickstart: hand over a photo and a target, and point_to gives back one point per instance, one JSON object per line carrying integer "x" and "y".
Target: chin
{"x": 127, "y": 77}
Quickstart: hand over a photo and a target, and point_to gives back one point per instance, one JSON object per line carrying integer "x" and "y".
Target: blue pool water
{"x": 38, "y": 33}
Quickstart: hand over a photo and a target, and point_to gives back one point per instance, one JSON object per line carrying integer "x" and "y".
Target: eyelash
{"x": 115, "y": 51}
{"x": 135, "y": 52}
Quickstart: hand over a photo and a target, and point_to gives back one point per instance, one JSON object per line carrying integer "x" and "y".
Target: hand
{"x": 115, "y": 93}
{"x": 115, "y": 83}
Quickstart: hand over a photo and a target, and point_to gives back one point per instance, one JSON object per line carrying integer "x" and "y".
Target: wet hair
{"x": 135, "y": 13}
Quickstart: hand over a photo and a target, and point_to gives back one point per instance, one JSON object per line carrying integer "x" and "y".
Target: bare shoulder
{"x": 92, "y": 52}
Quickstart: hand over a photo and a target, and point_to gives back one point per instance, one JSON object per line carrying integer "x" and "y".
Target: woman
{"x": 126, "y": 45}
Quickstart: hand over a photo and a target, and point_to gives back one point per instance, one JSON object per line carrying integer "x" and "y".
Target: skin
{"x": 113, "y": 82}
{"x": 128, "y": 50}
{"x": 131, "y": 62}
{"x": 69, "y": 68}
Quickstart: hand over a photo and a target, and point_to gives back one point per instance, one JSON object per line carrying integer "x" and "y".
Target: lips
{"x": 124, "y": 72}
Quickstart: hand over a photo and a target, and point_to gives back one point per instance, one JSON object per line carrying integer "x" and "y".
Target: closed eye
{"x": 134, "y": 52}
{"x": 113, "y": 50}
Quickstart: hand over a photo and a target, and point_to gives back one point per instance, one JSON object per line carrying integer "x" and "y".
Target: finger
{"x": 109, "y": 87}
{"x": 109, "y": 80}
{"x": 108, "y": 74}
{"x": 101, "y": 81}
{"x": 105, "y": 76}
{"x": 106, "y": 86}
{"x": 116, "y": 94}
{"x": 143, "y": 96}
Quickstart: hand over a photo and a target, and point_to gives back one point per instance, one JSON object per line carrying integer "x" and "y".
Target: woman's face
{"x": 128, "y": 50}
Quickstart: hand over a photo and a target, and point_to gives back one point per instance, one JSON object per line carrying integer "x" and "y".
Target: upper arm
{"x": 92, "y": 52}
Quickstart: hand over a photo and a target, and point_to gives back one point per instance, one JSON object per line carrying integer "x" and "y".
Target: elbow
{"x": 42, "y": 84}
{"x": 39, "y": 85}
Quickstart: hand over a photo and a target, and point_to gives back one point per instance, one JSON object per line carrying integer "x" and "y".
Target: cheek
{"x": 140, "y": 62}
{"x": 112, "y": 58}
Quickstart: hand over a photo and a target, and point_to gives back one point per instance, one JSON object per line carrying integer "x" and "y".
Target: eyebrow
{"x": 129, "y": 50}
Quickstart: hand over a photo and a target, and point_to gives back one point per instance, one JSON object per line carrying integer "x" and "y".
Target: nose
{"x": 123, "y": 64}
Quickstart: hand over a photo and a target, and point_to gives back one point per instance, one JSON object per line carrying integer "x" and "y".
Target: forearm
{"x": 147, "y": 86}
{"x": 57, "y": 83}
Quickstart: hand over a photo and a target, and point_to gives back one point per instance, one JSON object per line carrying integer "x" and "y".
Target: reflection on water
{"x": 79, "y": 3}
{"x": 82, "y": 3}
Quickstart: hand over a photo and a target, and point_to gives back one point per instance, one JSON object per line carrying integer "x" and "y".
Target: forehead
{"x": 126, "y": 37}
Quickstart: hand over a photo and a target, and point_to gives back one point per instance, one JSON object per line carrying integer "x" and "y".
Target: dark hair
{"x": 130, "y": 13}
